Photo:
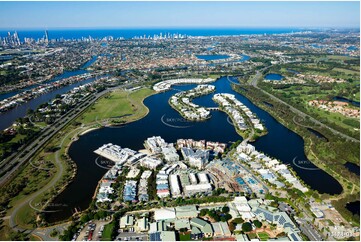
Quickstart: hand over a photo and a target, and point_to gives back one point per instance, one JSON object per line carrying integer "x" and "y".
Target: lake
{"x": 212, "y": 57}
{"x": 353, "y": 168}
{"x": 280, "y": 143}
{"x": 343, "y": 99}
{"x": 354, "y": 207}
{"x": 273, "y": 77}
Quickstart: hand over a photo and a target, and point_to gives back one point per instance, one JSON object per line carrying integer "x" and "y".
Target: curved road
{"x": 302, "y": 114}
{"x": 44, "y": 233}
{"x": 12, "y": 218}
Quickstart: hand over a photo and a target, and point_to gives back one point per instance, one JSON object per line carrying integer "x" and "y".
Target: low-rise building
{"x": 221, "y": 229}
{"x": 174, "y": 185}
{"x": 150, "y": 163}
{"x": 198, "y": 188}
{"x": 142, "y": 225}
{"x": 164, "y": 214}
{"x": 190, "y": 211}
{"x": 126, "y": 221}
{"x": 205, "y": 227}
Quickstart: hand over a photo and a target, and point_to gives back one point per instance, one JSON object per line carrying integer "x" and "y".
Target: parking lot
{"x": 131, "y": 236}
{"x": 91, "y": 231}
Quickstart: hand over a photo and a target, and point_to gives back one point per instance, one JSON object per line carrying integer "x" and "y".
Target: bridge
{"x": 213, "y": 108}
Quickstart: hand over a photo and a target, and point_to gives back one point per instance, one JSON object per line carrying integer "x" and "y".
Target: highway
{"x": 24, "y": 155}
{"x": 295, "y": 110}
{"x": 12, "y": 163}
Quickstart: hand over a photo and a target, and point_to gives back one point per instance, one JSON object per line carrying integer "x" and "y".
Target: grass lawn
{"x": 301, "y": 94}
{"x": 107, "y": 232}
{"x": 252, "y": 236}
{"x": 184, "y": 236}
{"x": 117, "y": 104}
{"x": 340, "y": 57}
{"x": 334, "y": 117}
{"x": 357, "y": 96}
{"x": 346, "y": 71}
{"x": 112, "y": 105}
{"x": 263, "y": 236}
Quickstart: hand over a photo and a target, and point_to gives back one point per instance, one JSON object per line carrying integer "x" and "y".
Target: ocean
{"x": 130, "y": 33}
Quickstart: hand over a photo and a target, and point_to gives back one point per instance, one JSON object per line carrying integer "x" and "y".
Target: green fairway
{"x": 340, "y": 57}
{"x": 116, "y": 105}
{"x": 346, "y": 71}
{"x": 112, "y": 105}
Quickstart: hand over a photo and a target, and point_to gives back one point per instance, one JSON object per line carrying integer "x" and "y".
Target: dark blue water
{"x": 64, "y": 75}
{"x": 212, "y": 57}
{"x": 5, "y": 57}
{"x": 353, "y": 168}
{"x": 317, "y": 46}
{"x": 317, "y": 134}
{"x": 351, "y": 48}
{"x": 273, "y": 77}
{"x": 354, "y": 103}
{"x": 354, "y": 207}
{"x": 130, "y": 33}
{"x": 8, "y": 118}
{"x": 280, "y": 143}
{"x": 244, "y": 58}
{"x": 293, "y": 71}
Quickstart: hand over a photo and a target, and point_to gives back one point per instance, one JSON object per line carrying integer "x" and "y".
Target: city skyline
{"x": 45, "y": 15}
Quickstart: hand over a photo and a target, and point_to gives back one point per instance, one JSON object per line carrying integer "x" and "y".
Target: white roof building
{"x": 164, "y": 214}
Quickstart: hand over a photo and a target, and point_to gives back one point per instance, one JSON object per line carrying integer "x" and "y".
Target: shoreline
{"x": 89, "y": 129}
{"x": 84, "y": 131}
{"x": 307, "y": 150}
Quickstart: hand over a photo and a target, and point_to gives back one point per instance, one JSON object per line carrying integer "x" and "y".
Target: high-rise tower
{"x": 46, "y": 37}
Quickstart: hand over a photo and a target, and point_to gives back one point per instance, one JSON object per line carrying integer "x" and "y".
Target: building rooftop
{"x": 164, "y": 214}
{"x": 186, "y": 211}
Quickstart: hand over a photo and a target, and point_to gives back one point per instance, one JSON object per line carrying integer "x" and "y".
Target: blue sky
{"x": 178, "y": 14}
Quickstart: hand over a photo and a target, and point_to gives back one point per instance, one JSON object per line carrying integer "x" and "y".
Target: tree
{"x": 225, "y": 209}
{"x": 257, "y": 223}
{"x": 228, "y": 216}
{"x": 30, "y": 112}
{"x": 238, "y": 220}
{"x": 232, "y": 227}
{"x": 85, "y": 218}
{"x": 54, "y": 233}
{"x": 246, "y": 227}
{"x": 203, "y": 212}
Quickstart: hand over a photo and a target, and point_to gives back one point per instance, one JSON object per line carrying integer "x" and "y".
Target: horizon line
{"x": 177, "y": 27}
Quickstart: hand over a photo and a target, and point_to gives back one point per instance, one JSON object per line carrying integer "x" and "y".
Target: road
{"x": 310, "y": 232}
{"x": 56, "y": 178}
{"x": 12, "y": 163}
{"x": 300, "y": 113}
{"x": 44, "y": 233}
{"x": 21, "y": 157}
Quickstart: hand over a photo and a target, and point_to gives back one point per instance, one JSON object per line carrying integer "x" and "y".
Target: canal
{"x": 8, "y": 118}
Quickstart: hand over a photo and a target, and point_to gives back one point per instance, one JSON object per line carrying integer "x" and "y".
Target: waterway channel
{"x": 164, "y": 121}
{"x": 8, "y": 118}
